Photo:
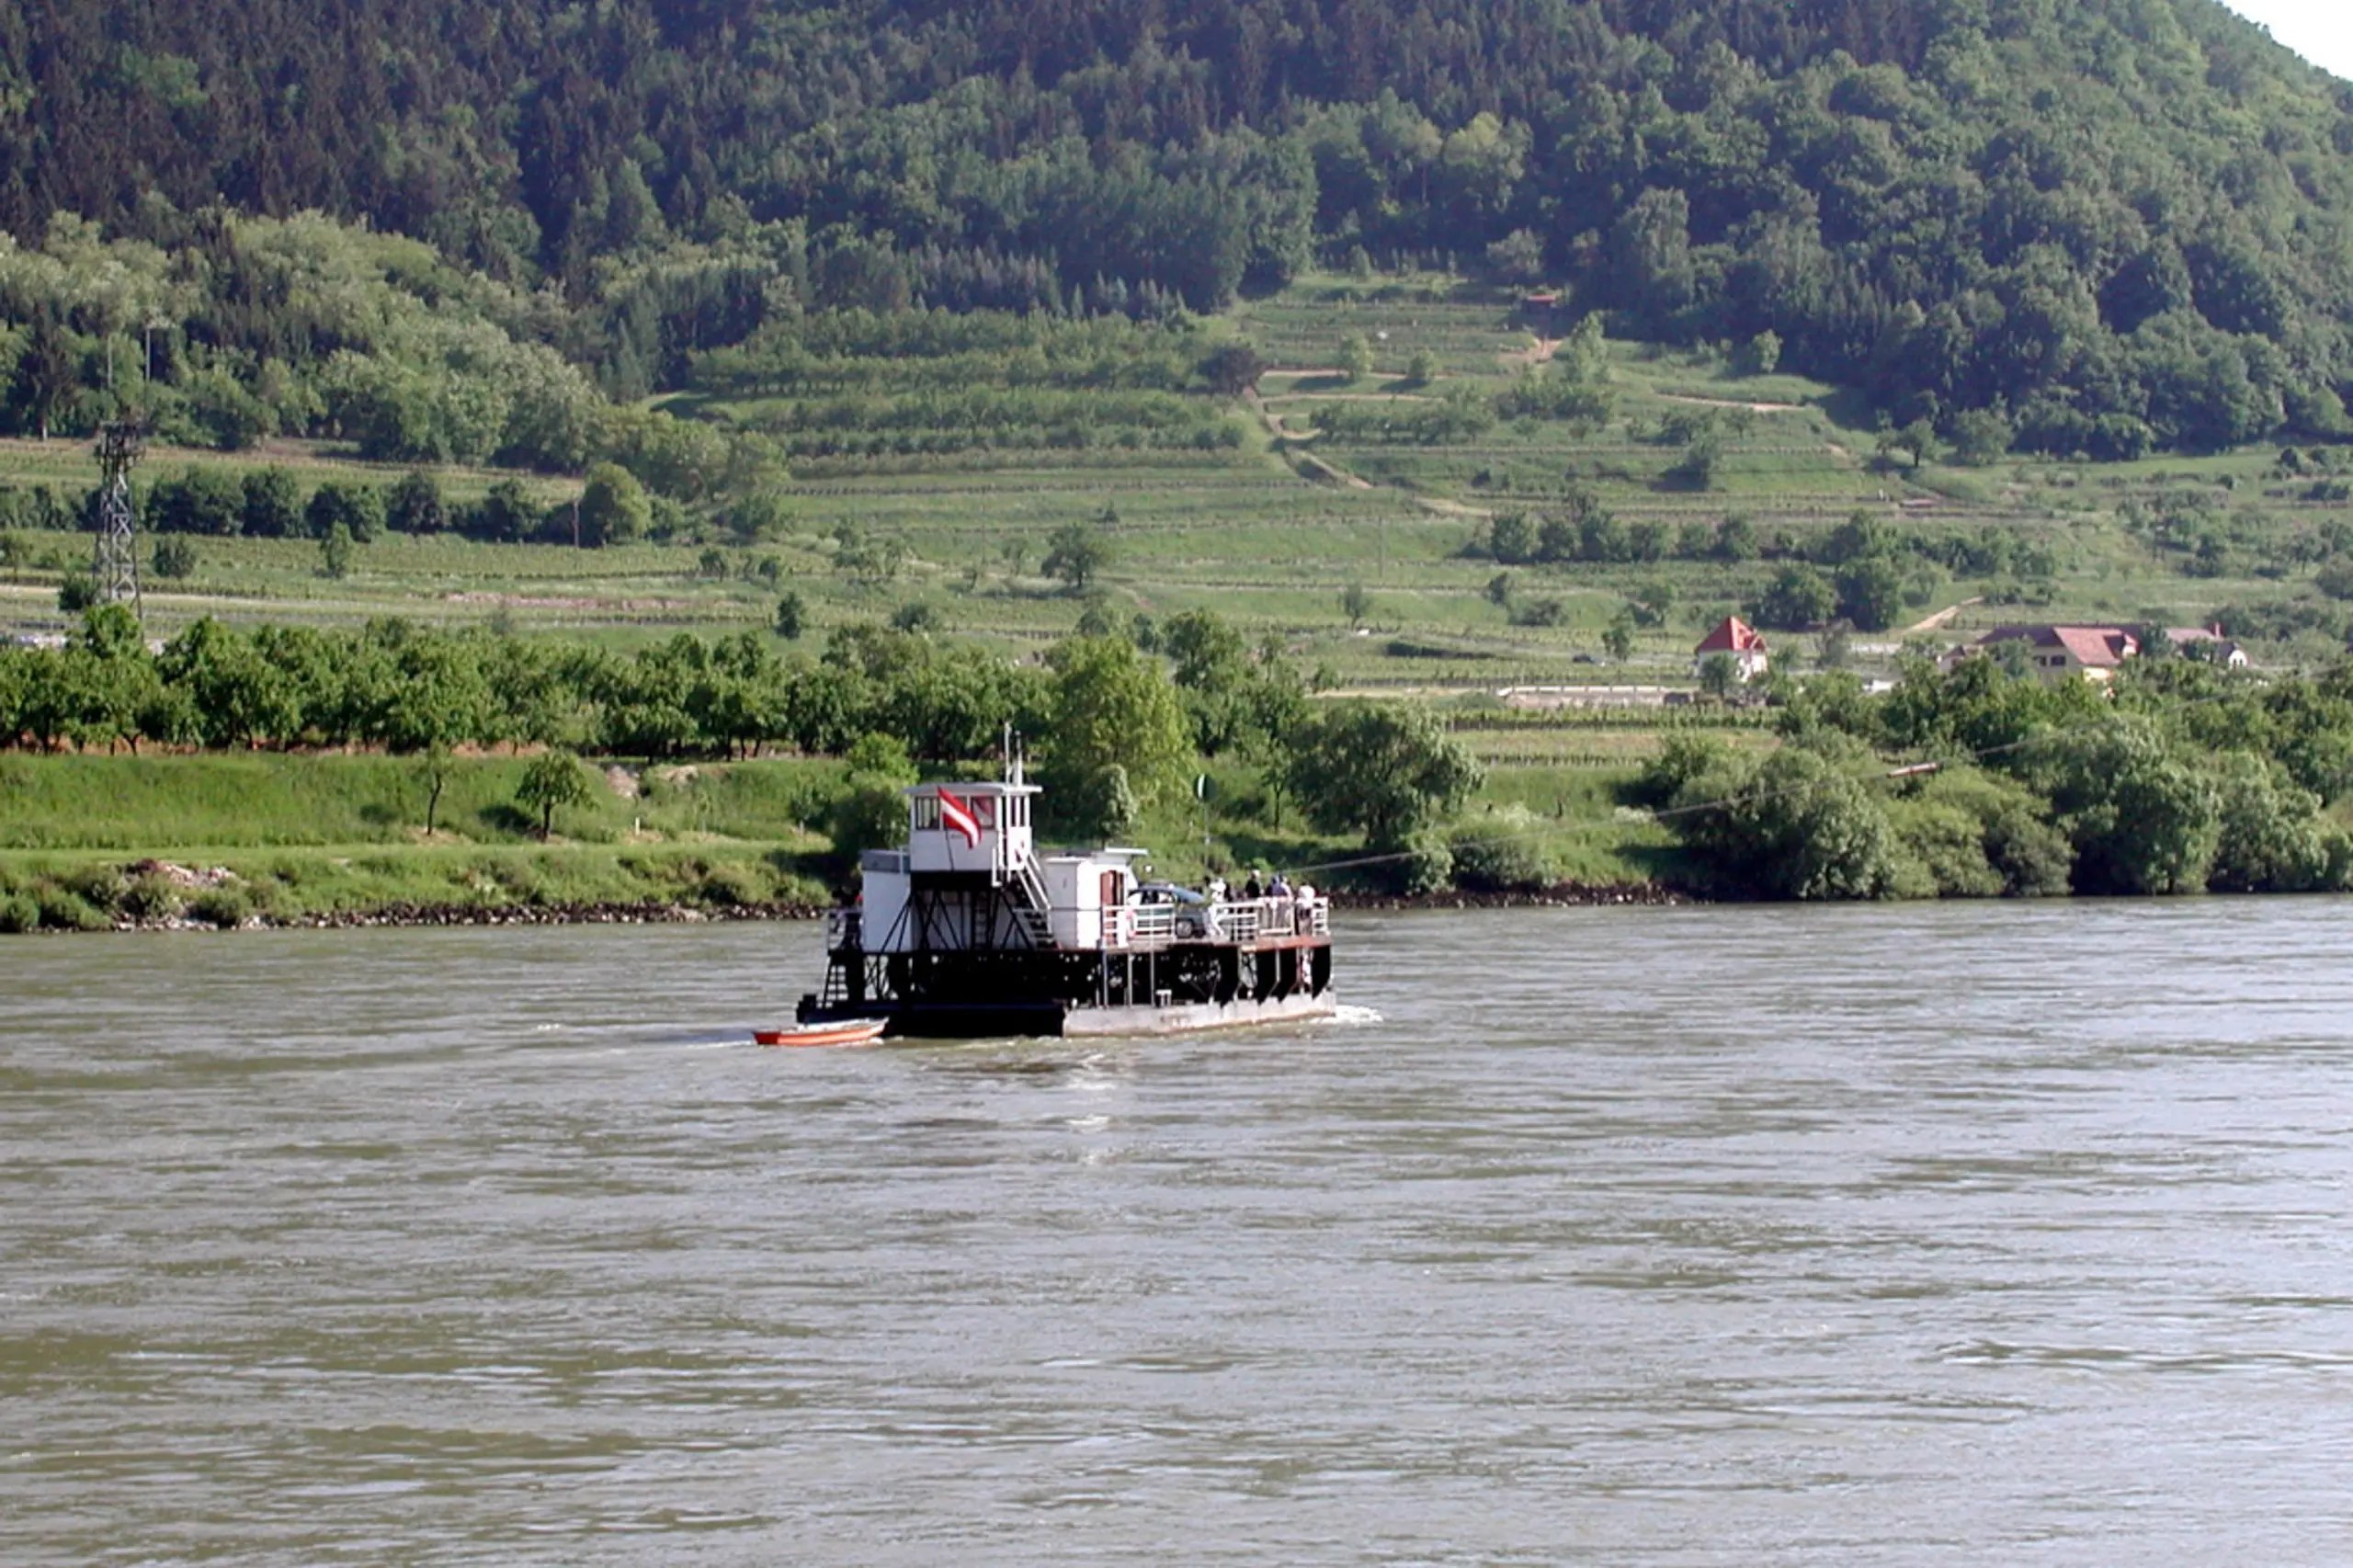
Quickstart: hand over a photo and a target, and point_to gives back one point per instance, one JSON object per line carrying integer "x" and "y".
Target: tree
{"x": 1231, "y": 368}
{"x": 1798, "y": 596}
{"x": 202, "y": 501}
{"x": 434, "y": 766}
{"x": 1511, "y": 539}
{"x": 505, "y": 515}
{"x": 553, "y": 780}
{"x": 1356, "y": 357}
{"x": 1112, "y": 706}
{"x": 2268, "y": 837}
{"x": 334, "y": 553}
{"x": 1076, "y": 556}
{"x": 1355, "y": 604}
{"x": 1421, "y": 368}
{"x": 1736, "y": 540}
{"x": 46, "y": 379}
{"x": 416, "y": 506}
{"x": 790, "y": 616}
{"x": 1618, "y": 640}
{"x": 2143, "y": 819}
{"x": 436, "y": 696}
{"x": 1517, "y": 257}
{"x": 1798, "y": 826}
{"x": 1718, "y": 675}
{"x": 1696, "y": 470}
{"x": 272, "y": 504}
{"x": 614, "y": 509}
{"x": 358, "y": 509}
{"x": 1871, "y": 593}
{"x": 1387, "y": 772}
{"x": 175, "y": 558}
{"x": 870, "y": 812}
{"x": 1919, "y": 439}
{"x": 1980, "y": 437}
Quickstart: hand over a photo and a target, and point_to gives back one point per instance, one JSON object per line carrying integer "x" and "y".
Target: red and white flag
{"x": 957, "y": 817}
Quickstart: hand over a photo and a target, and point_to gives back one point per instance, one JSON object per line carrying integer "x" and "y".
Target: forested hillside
{"x": 2114, "y": 223}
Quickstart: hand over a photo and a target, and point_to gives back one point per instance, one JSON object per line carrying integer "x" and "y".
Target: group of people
{"x": 1257, "y": 886}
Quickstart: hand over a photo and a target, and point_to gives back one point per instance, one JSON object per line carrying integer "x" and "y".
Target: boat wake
{"x": 1348, "y": 1014}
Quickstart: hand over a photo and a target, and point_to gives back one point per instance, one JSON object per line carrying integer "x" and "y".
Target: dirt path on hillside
{"x": 1355, "y": 397}
{"x": 1732, "y": 403}
{"x": 1943, "y": 618}
{"x": 1527, "y": 358}
{"x": 1306, "y": 464}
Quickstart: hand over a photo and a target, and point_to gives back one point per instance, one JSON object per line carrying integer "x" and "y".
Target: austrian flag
{"x": 957, "y": 817}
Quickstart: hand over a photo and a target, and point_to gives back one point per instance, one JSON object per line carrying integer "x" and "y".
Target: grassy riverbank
{"x": 88, "y": 842}
{"x": 91, "y": 842}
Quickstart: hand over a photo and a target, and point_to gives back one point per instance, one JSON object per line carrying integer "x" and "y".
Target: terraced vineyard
{"x": 967, "y": 460}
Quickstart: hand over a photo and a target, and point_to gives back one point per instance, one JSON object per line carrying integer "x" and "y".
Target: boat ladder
{"x": 1032, "y": 910}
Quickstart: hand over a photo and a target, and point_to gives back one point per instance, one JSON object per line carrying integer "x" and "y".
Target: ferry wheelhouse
{"x": 971, "y": 932}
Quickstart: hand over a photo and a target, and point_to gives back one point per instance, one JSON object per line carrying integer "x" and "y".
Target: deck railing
{"x": 1150, "y": 927}
{"x": 1239, "y": 921}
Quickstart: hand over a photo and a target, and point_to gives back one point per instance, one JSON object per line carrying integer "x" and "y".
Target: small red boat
{"x": 847, "y": 1032}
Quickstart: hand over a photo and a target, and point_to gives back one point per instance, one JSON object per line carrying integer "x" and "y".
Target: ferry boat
{"x": 969, "y": 932}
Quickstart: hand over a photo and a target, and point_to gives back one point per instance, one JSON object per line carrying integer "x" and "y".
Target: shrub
{"x": 1427, "y": 867}
{"x": 2034, "y": 857}
{"x": 358, "y": 509}
{"x": 227, "y": 906}
{"x": 19, "y": 911}
{"x": 151, "y": 895}
{"x": 61, "y": 909}
{"x": 98, "y": 885}
{"x": 175, "y": 558}
{"x": 1499, "y": 856}
{"x": 733, "y": 887}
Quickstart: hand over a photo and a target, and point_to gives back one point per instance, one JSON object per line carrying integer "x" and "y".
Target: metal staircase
{"x": 1032, "y": 911}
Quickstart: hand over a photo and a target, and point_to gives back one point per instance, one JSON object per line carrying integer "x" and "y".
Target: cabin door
{"x": 1115, "y": 909}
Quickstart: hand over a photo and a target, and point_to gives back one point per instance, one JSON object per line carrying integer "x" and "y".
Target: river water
{"x": 1962, "y": 1234}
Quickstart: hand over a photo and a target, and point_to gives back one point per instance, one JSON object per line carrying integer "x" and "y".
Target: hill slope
{"x": 2115, "y": 222}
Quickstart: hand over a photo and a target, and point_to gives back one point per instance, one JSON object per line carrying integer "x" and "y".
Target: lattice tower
{"x": 117, "y": 561}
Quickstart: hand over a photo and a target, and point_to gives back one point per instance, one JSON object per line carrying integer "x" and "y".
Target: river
{"x": 1936, "y": 1234}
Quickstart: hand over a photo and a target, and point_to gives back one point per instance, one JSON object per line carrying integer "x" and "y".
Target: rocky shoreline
{"x": 1567, "y": 895}
{"x": 407, "y": 914}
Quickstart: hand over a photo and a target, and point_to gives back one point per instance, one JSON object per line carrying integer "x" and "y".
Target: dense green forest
{"x": 2111, "y": 226}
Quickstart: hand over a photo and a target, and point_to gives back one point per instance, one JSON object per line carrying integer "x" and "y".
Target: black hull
{"x": 991, "y": 995}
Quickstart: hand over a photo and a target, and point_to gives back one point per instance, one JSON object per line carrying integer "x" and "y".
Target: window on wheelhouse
{"x": 927, "y": 813}
{"x": 984, "y": 810}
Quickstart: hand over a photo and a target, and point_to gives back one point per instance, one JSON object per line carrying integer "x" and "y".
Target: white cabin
{"x": 967, "y": 842}
{"x": 970, "y": 827}
{"x": 1087, "y": 897}
{"x": 970, "y": 879}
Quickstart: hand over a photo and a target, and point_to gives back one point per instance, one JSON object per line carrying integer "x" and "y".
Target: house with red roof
{"x": 2063, "y": 652}
{"x": 1740, "y": 640}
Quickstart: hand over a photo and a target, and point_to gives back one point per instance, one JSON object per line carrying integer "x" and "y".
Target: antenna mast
{"x": 116, "y": 565}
